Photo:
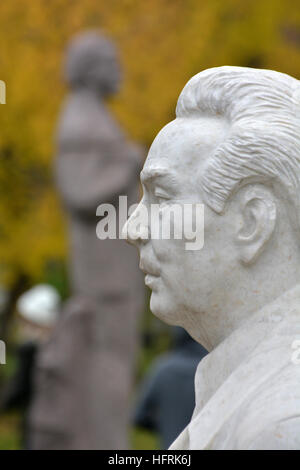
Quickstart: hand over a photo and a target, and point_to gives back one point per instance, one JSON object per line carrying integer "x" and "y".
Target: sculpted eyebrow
{"x": 147, "y": 175}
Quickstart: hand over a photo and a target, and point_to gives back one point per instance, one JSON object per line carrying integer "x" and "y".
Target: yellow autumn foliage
{"x": 162, "y": 44}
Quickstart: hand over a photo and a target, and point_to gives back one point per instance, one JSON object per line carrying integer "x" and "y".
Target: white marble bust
{"x": 235, "y": 147}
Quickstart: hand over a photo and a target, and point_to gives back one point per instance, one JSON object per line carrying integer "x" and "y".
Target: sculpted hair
{"x": 262, "y": 110}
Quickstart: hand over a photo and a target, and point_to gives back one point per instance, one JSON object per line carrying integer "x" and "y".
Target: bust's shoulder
{"x": 270, "y": 417}
{"x": 280, "y": 435}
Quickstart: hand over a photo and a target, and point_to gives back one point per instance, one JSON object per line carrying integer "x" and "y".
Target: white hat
{"x": 39, "y": 305}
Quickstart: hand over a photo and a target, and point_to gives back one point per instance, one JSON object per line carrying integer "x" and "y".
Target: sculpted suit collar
{"x": 251, "y": 367}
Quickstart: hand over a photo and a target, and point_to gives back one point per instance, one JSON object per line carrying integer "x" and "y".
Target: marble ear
{"x": 258, "y": 219}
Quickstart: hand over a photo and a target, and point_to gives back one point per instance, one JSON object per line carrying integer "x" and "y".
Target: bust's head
{"x": 92, "y": 63}
{"x": 234, "y": 147}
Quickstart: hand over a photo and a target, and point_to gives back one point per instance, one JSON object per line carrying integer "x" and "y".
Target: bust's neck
{"x": 236, "y": 347}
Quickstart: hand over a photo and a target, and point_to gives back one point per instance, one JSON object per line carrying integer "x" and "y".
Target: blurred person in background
{"x": 37, "y": 314}
{"x": 168, "y": 384}
{"x": 87, "y": 405}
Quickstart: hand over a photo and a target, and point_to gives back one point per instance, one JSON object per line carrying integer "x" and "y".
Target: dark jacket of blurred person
{"x": 166, "y": 399}
{"x": 95, "y": 164}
